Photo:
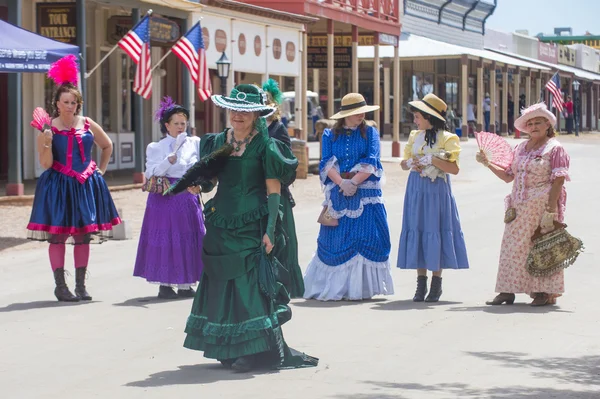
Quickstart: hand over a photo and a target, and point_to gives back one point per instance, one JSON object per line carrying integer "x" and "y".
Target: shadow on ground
{"x": 511, "y": 309}
{"x": 11, "y": 242}
{"x": 583, "y": 371}
{"x": 196, "y": 374}
{"x": 21, "y": 306}
{"x": 142, "y": 302}
{"x": 313, "y": 303}
{"x": 408, "y": 304}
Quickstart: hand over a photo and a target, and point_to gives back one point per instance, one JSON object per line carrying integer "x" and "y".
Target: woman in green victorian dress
{"x": 241, "y": 304}
{"x": 287, "y": 254}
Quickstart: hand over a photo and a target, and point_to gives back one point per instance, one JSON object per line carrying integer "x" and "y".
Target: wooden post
{"x": 493, "y": 97}
{"x": 480, "y": 91}
{"x": 464, "y": 94}
{"x": 376, "y": 82}
{"x": 355, "y": 64}
{"x": 396, "y": 130}
{"x": 330, "y": 68}
{"x": 504, "y": 124}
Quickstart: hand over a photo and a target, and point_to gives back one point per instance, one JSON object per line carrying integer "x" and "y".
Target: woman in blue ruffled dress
{"x": 72, "y": 203}
{"x": 352, "y": 258}
{"x": 431, "y": 238}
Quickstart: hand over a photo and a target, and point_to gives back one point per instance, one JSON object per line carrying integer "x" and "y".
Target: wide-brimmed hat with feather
{"x": 245, "y": 98}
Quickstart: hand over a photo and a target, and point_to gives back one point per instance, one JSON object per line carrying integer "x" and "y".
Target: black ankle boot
{"x": 80, "y": 290}
{"x": 244, "y": 364}
{"x": 61, "y": 291}
{"x": 187, "y": 293}
{"x": 436, "y": 290}
{"x": 421, "y": 289}
{"x": 166, "y": 292}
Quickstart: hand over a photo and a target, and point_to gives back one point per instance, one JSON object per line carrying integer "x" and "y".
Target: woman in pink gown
{"x": 538, "y": 172}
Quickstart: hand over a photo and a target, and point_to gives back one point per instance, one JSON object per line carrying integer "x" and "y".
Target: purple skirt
{"x": 170, "y": 248}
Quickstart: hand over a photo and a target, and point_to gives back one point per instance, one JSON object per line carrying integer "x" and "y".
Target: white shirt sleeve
{"x": 157, "y": 162}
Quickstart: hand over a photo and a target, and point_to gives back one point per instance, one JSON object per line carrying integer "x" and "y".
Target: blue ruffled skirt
{"x": 64, "y": 207}
{"x": 431, "y": 236}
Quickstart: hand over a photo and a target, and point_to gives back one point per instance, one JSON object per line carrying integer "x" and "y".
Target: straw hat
{"x": 353, "y": 104}
{"x": 245, "y": 98}
{"x": 431, "y": 105}
{"x": 534, "y": 111}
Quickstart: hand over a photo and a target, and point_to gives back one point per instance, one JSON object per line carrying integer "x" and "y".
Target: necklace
{"x": 69, "y": 127}
{"x": 237, "y": 144}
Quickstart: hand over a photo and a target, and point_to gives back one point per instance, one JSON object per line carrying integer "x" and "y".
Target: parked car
{"x": 288, "y": 107}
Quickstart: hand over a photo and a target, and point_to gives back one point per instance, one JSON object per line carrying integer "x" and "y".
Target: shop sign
{"x": 390, "y": 40}
{"x": 58, "y": 21}
{"x": 206, "y": 38}
{"x": 290, "y": 51}
{"x": 566, "y": 55}
{"x": 257, "y": 45}
{"x": 276, "y": 49}
{"x": 547, "y": 52}
{"x": 317, "y": 57}
{"x": 163, "y": 32}
{"x": 341, "y": 40}
{"x": 242, "y": 43}
{"x": 220, "y": 40}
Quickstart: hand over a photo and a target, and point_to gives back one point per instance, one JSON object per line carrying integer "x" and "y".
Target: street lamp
{"x": 576, "y": 85}
{"x": 223, "y": 66}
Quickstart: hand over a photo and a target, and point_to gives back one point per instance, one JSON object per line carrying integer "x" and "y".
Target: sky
{"x": 544, "y": 15}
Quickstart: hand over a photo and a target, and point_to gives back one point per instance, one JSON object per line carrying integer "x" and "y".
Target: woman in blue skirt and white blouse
{"x": 431, "y": 237}
{"x": 352, "y": 259}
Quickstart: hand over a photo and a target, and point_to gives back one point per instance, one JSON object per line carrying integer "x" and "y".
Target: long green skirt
{"x": 291, "y": 276}
{"x": 232, "y": 316}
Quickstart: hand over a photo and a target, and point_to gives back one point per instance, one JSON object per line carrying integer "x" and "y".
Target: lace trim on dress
{"x": 332, "y": 163}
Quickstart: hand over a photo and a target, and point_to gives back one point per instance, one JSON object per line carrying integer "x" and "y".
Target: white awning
{"x": 580, "y": 73}
{"x": 419, "y": 47}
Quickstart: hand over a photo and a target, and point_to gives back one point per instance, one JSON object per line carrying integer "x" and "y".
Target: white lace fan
{"x": 497, "y": 150}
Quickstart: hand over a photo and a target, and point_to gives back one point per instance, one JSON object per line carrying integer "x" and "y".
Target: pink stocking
{"x": 56, "y": 252}
{"x": 81, "y": 255}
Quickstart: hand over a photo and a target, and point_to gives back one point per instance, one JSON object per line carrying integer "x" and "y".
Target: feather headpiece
{"x": 166, "y": 104}
{"x": 65, "y": 70}
{"x": 272, "y": 88}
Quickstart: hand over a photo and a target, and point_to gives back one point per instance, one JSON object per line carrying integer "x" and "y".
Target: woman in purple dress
{"x": 170, "y": 247}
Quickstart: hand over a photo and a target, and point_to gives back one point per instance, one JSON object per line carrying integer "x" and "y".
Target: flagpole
{"x": 160, "y": 61}
{"x": 88, "y": 74}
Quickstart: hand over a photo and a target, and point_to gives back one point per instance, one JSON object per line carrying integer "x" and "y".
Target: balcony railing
{"x": 387, "y": 10}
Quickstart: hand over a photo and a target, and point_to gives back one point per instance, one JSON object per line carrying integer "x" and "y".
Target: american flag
{"x": 190, "y": 50}
{"x": 553, "y": 87}
{"x": 136, "y": 43}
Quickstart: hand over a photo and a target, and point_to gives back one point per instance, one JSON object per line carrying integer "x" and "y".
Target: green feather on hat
{"x": 272, "y": 88}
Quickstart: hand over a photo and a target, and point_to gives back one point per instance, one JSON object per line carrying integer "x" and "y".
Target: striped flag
{"x": 136, "y": 43}
{"x": 190, "y": 50}
{"x": 553, "y": 86}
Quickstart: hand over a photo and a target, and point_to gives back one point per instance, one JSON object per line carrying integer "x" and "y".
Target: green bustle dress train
{"x": 233, "y": 315}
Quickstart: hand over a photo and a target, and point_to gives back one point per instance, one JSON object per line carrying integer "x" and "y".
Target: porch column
{"x": 304, "y": 125}
{"x": 355, "y": 65}
{"x": 386, "y": 93}
{"x": 330, "y": 68}
{"x": 480, "y": 91}
{"x": 493, "y": 97}
{"x": 515, "y": 97}
{"x": 315, "y": 87}
{"x": 396, "y": 130}
{"x": 504, "y": 124}
{"x": 538, "y": 88}
{"x": 464, "y": 94}
{"x": 140, "y": 150}
{"x": 589, "y": 112}
{"x": 527, "y": 90}
{"x": 81, "y": 42}
{"x": 376, "y": 83}
{"x": 15, "y": 184}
